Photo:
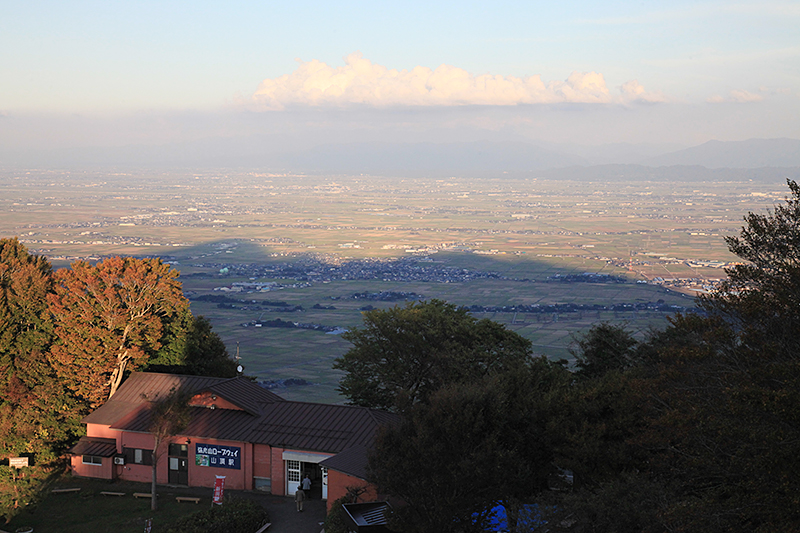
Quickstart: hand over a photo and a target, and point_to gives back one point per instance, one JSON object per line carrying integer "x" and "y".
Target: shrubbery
{"x": 234, "y": 516}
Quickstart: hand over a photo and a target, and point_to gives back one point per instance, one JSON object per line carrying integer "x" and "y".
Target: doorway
{"x": 178, "y": 464}
{"x": 297, "y": 470}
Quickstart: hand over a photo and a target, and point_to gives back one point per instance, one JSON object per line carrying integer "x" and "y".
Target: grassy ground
{"x": 88, "y": 511}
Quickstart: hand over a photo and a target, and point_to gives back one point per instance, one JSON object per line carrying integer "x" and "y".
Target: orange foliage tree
{"x": 109, "y": 318}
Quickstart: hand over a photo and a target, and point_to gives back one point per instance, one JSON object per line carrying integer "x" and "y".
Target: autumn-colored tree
{"x": 110, "y": 318}
{"x": 36, "y": 414}
{"x": 19, "y": 488}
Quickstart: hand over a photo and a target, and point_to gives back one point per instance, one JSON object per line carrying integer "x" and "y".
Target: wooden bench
{"x": 108, "y": 493}
{"x": 62, "y": 491}
{"x": 187, "y": 499}
{"x": 264, "y": 527}
{"x": 143, "y": 495}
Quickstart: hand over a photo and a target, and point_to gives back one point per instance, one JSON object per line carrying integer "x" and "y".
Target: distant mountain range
{"x": 753, "y": 153}
{"x": 482, "y": 158}
{"x": 675, "y": 173}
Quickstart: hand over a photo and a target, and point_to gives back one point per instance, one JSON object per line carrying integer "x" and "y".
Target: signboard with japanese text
{"x": 218, "y": 456}
{"x": 18, "y": 462}
{"x": 219, "y": 490}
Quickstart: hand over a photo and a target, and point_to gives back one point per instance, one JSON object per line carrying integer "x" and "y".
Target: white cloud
{"x": 737, "y": 97}
{"x": 743, "y": 97}
{"x": 360, "y": 81}
{"x": 633, "y": 91}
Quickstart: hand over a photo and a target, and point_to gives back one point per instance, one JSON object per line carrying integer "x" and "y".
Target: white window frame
{"x": 292, "y": 475}
{"x": 94, "y": 460}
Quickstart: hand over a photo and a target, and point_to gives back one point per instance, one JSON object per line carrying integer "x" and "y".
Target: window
{"x": 179, "y": 450}
{"x": 293, "y": 471}
{"x": 138, "y": 456}
{"x": 92, "y": 460}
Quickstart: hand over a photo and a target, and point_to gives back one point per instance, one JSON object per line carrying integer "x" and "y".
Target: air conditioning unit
{"x": 119, "y": 460}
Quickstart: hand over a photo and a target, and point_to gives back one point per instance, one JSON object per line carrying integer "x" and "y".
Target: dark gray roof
{"x": 266, "y": 419}
{"x": 352, "y": 461}
{"x": 316, "y": 426}
{"x": 245, "y": 394}
{"x": 207, "y": 423}
{"x": 153, "y": 386}
{"x": 368, "y": 517}
{"x": 95, "y": 446}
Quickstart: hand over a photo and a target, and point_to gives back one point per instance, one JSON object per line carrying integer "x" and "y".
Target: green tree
{"x": 195, "y": 349}
{"x": 111, "y": 318}
{"x": 19, "y": 488}
{"x": 470, "y": 446}
{"x": 404, "y": 354}
{"x": 722, "y": 428}
{"x": 604, "y": 348}
{"x": 761, "y": 297}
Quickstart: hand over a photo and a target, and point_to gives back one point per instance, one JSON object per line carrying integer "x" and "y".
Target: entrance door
{"x": 324, "y": 482}
{"x": 178, "y": 471}
{"x": 292, "y": 476}
{"x": 178, "y": 464}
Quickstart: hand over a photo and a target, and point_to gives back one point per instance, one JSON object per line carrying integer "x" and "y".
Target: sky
{"x": 115, "y": 73}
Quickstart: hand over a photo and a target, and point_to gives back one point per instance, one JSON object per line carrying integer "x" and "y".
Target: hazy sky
{"x": 84, "y": 73}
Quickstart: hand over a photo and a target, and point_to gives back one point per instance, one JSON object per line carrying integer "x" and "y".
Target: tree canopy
{"x": 696, "y": 428}
{"x": 68, "y": 337}
{"x": 604, "y": 348}
{"x": 470, "y": 446}
{"x": 109, "y": 317}
{"x": 761, "y": 297}
{"x": 404, "y": 354}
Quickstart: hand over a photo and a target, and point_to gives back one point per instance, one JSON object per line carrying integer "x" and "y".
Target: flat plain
{"x": 546, "y": 258}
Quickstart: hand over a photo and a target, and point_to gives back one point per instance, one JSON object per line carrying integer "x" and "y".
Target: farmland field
{"x": 253, "y": 248}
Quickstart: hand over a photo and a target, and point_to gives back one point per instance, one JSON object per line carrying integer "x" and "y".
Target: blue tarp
{"x": 529, "y": 515}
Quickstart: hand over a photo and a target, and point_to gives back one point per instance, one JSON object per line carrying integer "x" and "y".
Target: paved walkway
{"x": 283, "y": 513}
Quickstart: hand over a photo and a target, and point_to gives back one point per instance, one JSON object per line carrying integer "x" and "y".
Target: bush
{"x": 233, "y": 516}
{"x": 334, "y": 521}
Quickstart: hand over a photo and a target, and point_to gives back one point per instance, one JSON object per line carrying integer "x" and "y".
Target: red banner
{"x": 219, "y": 488}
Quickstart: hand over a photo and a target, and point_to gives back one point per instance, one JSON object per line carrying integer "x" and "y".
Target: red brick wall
{"x": 278, "y": 472}
{"x": 205, "y": 476}
{"x": 338, "y": 483}
{"x": 262, "y": 460}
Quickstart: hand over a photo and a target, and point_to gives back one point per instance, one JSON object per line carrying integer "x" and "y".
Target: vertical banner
{"x": 148, "y": 525}
{"x": 219, "y": 488}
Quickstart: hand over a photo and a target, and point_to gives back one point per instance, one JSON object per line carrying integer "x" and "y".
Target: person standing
{"x": 307, "y": 485}
{"x": 299, "y": 498}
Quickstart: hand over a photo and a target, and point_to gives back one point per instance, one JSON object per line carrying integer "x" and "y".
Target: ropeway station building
{"x": 253, "y": 437}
